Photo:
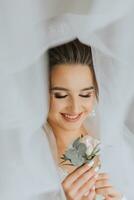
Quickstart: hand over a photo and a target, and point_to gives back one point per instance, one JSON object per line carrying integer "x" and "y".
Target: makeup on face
{"x": 72, "y": 95}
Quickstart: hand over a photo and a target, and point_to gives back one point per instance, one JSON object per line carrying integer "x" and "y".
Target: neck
{"x": 65, "y": 137}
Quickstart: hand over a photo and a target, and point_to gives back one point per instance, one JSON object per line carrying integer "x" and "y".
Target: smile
{"x": 71, "y": 118}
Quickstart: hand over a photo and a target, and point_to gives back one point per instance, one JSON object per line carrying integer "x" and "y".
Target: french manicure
{"x": 96, "y": 176}
{"x": 91, "y": 163}
{"x": 93, "y": 188}
{"x": 86, "y": 194}
{"x": 96, "y": 169}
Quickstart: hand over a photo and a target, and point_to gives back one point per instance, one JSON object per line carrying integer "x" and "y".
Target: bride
{"x": 73, "y": 95}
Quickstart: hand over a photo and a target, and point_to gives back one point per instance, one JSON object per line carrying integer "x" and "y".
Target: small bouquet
{"x": 81, "y": 151}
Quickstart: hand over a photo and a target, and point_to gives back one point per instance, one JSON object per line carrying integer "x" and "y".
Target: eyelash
{"x": 86, "y": 96}
{"x": 61, "y": 97}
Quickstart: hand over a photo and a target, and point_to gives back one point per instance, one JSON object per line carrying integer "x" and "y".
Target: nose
{"x": 74, "y": 105}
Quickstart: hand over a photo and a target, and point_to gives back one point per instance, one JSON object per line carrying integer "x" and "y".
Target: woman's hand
{"x": 80, "y": 184}
{"x": 104, "y": 188}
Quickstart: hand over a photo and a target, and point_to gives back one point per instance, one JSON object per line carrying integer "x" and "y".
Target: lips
{"x": 71, "y": 117}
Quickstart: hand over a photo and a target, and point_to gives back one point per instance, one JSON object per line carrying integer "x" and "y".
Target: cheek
{"x": 89, "y": 105}
{"x": 56, "y": 105}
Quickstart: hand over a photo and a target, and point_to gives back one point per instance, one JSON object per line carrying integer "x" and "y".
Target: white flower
{"x": 96, "y": 142}
{"x": 90, "y": 143}
{"x": 89, "y": 150}
{"x": 83, "y": 149}
{"x": 87, "y": 140}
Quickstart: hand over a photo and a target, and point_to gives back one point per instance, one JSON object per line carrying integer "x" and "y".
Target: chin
{"x": 70, "y": 126}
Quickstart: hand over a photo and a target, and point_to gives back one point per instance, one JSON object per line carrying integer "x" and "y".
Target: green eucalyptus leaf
{"x": 70, "y": 153}
{"x": 82, "y": 149}
{"x": 76, "y": 153}
{"x": 77, "y": 160}
{"x": 76, "y": 143}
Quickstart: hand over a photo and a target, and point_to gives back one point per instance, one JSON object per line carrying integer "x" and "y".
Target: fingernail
{"x": 96, "y": 169}
{"x": 86, "y": 194}
{"x": 93, "y": 188}
{"x": 96, "y": 175}
{"x": 91, "y": 163}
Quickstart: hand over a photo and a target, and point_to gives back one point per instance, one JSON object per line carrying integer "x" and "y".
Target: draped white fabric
{"x": 27, "y": 29}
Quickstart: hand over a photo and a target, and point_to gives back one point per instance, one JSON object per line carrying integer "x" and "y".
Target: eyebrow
{"x": 67, "y": 90}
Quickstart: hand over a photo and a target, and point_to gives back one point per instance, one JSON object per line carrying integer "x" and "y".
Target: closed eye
{"x": 85, "y": 96}
{"x": 57, "y": 96}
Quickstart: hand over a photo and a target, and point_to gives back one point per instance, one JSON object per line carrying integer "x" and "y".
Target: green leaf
{"x": 77, "y": 160}
{"x": 70, "y": 153}
{"x": 76, "y": 153}
{"x": 76, "y": 143}
{"x": 82, "y": 149}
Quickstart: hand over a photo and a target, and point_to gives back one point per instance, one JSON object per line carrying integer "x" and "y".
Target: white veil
{"x": 27, "y": 30}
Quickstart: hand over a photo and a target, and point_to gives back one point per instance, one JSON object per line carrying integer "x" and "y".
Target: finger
{"x": 103, "y": 176}
{"x": 102, "y": 183}
{"x": 107, "y": 191}
{"x": 83, "y": 190}
{"x": 92, "y": 194}
{"x": 86, "y": 187}
{"x": 78, "y": 172}
{"x": 113, "y": 198}
{"x": 85, "y": 178}
{"x": 97, "y": 160}
{"x": 72, "y": 177}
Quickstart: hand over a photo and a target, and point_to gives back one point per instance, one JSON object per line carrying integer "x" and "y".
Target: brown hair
{"x": 73, "y": 52}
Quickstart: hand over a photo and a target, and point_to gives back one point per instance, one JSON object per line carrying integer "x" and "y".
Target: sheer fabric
{"x": 27, "y": 30}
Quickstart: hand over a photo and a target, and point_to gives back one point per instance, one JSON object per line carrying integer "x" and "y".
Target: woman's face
{"x": 71, "y": 96}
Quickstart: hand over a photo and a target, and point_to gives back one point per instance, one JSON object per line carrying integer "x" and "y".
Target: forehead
{"x": 71, "y": 76}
